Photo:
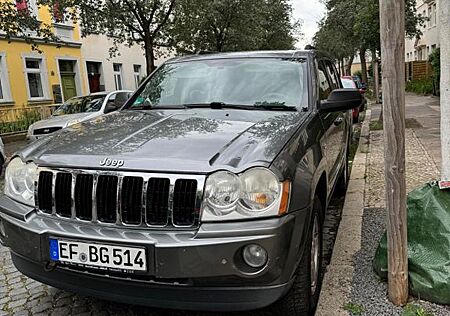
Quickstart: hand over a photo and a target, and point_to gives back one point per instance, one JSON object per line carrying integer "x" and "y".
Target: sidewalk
{"x": 350, "y": 283}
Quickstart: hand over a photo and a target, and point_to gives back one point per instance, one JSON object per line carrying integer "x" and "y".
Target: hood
{"x": 61, "y": 120}
{"x": 192, "y": 140}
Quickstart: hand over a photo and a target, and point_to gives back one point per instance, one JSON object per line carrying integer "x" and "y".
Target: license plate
{"x": 100, "y": 256}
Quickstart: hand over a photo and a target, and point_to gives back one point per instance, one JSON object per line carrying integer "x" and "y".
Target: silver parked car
{"x": 79, "y": 109}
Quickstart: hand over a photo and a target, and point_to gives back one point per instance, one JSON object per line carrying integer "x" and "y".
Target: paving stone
{"x": 13, "y": 304}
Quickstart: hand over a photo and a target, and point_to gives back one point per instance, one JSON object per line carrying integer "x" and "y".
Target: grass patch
{"x": 415, "y": 310}
{"x": 354, "y": 309}
{"x": 409, "y": 123}
{"x": 376, "y": 125}
{"x": 424, "y": 86}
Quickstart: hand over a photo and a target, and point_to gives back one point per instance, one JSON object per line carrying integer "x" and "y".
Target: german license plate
{"x": 100, "y": 256}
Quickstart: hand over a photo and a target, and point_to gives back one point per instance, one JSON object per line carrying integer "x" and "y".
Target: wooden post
{"x": 376, "y": 76}
{"x": 392, "y": 32}
{"x": 444, "y": 39}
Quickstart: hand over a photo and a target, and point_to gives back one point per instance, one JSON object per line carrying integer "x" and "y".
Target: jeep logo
{"x": 112, "y": 162}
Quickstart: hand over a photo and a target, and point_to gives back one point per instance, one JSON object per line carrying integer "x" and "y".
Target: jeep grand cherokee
{"x": 207, "y": 190}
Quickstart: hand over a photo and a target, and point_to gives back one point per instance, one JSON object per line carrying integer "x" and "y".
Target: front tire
{"x": 302, "y": 298}
{"x": 342, "y": 183}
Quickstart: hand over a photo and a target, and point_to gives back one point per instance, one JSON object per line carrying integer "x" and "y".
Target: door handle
{"x": 338, "y": 121}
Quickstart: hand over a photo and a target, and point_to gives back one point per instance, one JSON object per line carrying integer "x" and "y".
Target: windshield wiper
{"x": 219, "y": 105}
{"x": 275, "y": 106}
{"x": 156, "y": 107}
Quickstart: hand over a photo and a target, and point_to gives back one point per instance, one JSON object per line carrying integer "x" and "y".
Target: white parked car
{"x": 79, "y": 109}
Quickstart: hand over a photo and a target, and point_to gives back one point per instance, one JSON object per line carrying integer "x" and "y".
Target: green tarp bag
{"x": 428, "y": 244}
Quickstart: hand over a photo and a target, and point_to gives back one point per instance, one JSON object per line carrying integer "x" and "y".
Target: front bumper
{"x": 187, "y": 269}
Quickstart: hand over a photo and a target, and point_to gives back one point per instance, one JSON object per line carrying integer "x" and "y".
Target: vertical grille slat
{"x": 185, "y": 212}
{"x": 106, "y": 198}
{"x": 83, "y": 196}
{"x": 120, "y": 198}
{"x": 131, "y": 200}
{"x": 63, "y": 191}
{"x": 45, "y": 198}
{"x": 157, "y": 209}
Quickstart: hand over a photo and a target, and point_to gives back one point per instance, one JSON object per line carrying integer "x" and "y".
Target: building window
{"x": 137, "y": 75}
{"x": 433, "y": 15}
{"x": 95, "y": 77}
{"x": 27, "y": 7}
{"x": 33, "y": 69}
{"x": 4, "y": 84}
{"x": 118, "y": 76}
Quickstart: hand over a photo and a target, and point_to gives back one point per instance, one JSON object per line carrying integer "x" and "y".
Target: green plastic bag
{"x": 428, "y": 244}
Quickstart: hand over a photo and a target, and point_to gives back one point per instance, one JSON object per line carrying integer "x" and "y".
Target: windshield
{"x": 348, "y": 84}
{"x": 246, "y": 81}
{"x": 91, "y": 103}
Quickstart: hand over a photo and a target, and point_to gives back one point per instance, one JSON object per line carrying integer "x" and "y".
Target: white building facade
{"x": 421, "y": 48}
{"x": 105, "y": 73}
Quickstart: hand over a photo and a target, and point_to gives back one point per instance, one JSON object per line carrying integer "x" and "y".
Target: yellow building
{"x": 30, "y": 78}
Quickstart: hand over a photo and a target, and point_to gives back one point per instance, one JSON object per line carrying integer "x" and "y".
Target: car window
{"x": 116, "y": 101}
{"x": 80, "y": 105}
{"x": 324, "y": 85}
{"x": 348, "y": 84}
{"x": 238, "y": 81}
{"x": 334, "y": 77}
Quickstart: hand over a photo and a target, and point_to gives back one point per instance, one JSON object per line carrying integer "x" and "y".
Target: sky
{"x": 310, "y": 12}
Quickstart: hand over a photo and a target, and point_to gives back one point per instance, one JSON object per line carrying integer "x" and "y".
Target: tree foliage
{"x": 162, "y": 26}
{"x": 352, "y": 25}
{"x": 23, "y": 24}
{"x": 227, "y": 25}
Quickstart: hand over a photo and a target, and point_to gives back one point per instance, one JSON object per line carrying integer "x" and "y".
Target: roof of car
{"x": 248, "y": 54}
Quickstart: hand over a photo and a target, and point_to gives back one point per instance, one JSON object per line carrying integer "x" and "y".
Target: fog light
{"x": 254, "y": 255}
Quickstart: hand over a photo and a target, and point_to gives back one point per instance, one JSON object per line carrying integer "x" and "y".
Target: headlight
{"x": 19, "y": 181}
{"x": 254, "y": 193}
{"x": 223, "y": 190}
{"x": 72, "y": 122}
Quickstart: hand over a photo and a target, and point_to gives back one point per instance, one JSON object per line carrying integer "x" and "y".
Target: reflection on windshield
{"x": 246, "y": 81}
{"x": 81, "y": 105}
{"x": 348, "y": 84}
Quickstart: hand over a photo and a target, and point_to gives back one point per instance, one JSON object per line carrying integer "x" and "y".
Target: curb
{"x": 337, "y": 282}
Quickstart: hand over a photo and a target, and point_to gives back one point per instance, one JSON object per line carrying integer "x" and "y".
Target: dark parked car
{"x": 207, "y": 191}
{"x": 350, "y": 84}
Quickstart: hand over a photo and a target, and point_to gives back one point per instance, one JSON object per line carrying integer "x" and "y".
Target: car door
{"x": 333, "y": 122}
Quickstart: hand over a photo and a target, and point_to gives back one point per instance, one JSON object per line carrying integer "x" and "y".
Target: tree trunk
{"x": 392, "y": 33}
{"x": 376, "y": 76}
{"x": 444, "y": 37}
{"x": 362, "y": 56}
{"x": 348, "y": 67}
{"x": 342, "y": 67}
{"x": 149, "y": 56}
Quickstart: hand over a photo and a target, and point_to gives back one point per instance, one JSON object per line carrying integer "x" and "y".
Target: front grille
{"x": 46, "y": 130}
{"x": 121, "y": 198}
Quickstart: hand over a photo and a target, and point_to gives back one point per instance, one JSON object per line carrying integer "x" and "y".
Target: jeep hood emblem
{"x": 107, "y": 162}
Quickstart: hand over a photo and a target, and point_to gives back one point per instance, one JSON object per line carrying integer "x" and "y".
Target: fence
{"x": 418, "y": 70}
{"x": 19, "y": 119}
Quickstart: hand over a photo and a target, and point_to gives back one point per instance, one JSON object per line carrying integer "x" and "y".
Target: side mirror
{"x": 110, "y": 107}
{"x": 341, "y": 100}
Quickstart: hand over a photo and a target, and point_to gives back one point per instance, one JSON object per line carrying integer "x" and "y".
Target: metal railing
{"x": 14, "y": 120}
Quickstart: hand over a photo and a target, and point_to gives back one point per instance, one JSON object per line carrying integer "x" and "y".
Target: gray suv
{"x": 206, "y": 191}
